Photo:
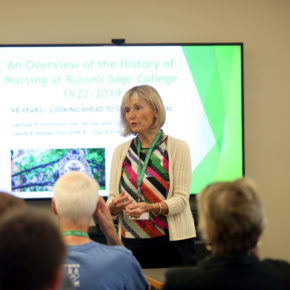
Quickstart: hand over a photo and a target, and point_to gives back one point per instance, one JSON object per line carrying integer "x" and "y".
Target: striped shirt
{"x": 154, "y": 188}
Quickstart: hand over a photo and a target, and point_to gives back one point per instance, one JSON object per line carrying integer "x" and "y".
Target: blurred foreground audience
{"x": 231, "y": 221}
{"x": 9, "y": 202}
{"x": 31, "y": 251}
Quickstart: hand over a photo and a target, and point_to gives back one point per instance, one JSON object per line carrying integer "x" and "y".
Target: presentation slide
{"x": 60, "y": 109}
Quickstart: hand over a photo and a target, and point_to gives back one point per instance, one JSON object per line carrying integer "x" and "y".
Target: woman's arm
{"x": 179, "y": 175}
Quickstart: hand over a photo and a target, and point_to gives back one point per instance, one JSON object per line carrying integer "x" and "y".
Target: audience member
{"x": 31, "y": 251}
{"x": 231, "y": 220}
{"x": 92, "y": 265}
{"x": 9, "y": 202}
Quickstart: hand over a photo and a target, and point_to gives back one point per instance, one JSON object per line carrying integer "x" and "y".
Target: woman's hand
{"x": 119, "y": 203}
{"x": 135, "y": 210}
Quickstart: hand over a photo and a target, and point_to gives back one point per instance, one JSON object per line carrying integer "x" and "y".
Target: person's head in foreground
{"x": 149, "y": 112}
{"x": 75, "y": 198}
{"x": 9, "y": 201}
{"x": 232, "y": 219}
{"x": 231, "y": 216}
{"x": 31, "y": 251}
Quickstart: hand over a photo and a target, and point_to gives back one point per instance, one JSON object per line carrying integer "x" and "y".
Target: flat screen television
{"x": 60, "y": 109}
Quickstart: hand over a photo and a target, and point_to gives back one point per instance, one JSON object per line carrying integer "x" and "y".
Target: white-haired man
{"x": 92, "y": 265}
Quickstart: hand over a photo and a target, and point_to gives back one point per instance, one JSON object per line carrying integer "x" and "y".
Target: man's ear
{"x": 53, "y": 206}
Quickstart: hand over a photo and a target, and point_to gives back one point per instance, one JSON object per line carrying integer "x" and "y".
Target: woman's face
{"x": 139, "y": 114}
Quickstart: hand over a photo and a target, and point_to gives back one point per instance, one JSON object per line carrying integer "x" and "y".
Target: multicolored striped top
{"x": 154, "y": 188}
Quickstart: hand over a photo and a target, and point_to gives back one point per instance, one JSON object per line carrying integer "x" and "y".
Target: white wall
{"x": 263, "y": 26}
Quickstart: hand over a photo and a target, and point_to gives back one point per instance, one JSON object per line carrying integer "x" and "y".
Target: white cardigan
{"x": 180, "y": 220}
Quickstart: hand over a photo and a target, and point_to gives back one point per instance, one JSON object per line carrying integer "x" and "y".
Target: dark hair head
{"x": 9, "y": 201}
{"x": 31, "y": 250}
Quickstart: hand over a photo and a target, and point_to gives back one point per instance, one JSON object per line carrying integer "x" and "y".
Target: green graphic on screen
{"x": 216, "y": 72}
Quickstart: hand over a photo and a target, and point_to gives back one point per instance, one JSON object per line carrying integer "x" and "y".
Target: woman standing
{"x": 150, "y": 184}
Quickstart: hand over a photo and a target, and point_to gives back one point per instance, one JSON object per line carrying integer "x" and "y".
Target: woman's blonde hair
{"x": 231, "y": 216}
{"x": 152, "y": 97}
